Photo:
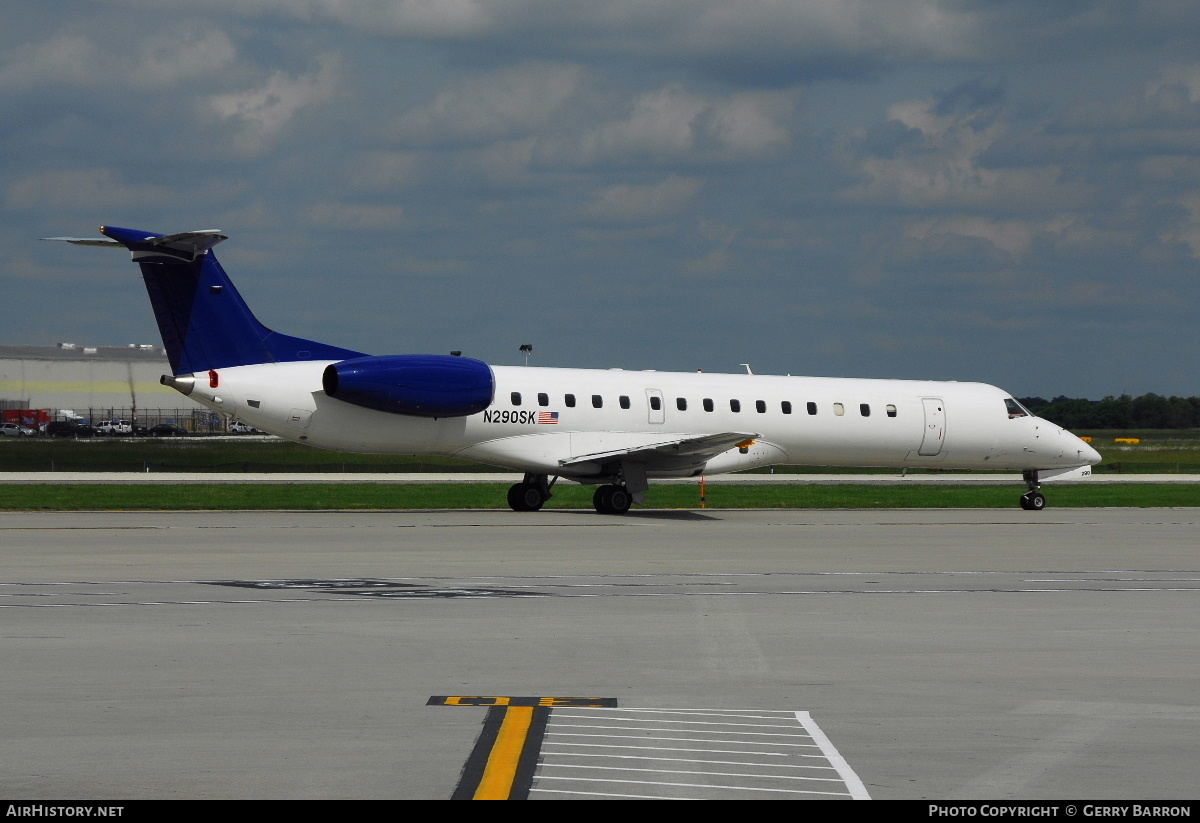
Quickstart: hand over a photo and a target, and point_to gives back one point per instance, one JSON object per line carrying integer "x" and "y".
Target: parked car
{"x": 238, "y": 427}
{"x": 115, "y": 428}
{"x": 168, "y": 430}
{"x": 15, "y": 430}
{"x": 69, "y": 428}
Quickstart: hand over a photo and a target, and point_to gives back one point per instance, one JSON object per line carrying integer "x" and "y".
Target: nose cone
{"x": 1087, "y": 454}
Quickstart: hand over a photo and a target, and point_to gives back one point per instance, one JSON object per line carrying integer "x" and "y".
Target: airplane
{"x": 613, "y": 428}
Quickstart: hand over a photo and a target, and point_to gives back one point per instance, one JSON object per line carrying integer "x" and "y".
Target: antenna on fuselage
{"x": 747, "y": 365}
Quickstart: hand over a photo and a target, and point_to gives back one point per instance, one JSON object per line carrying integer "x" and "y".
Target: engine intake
{"x": 421, "y": 385}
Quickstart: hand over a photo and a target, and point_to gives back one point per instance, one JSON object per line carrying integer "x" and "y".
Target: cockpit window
{"x": 1015, "y": 409}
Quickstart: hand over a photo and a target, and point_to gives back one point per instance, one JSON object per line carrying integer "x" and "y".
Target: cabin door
{"x": 935, "y": 426}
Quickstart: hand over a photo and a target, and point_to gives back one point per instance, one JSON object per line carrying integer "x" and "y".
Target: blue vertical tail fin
{"x": 205, "y": 324}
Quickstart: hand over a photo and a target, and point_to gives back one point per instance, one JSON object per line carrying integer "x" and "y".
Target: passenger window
{"x": 839, "y": 409}
{"x": 708, "y": 404}
{"x": 597, "y": 401}
{"x": 735, "y": 405}
{"x": 569, "y": 400}
{"x": 760, "y": 406}
{"x": 786, "y": 405}
{"x": 543, "y": 399}
{"x": 516, "y": 398}
{"x": 624, "y": 401}
{"x": 891, "y": 410}
{"x": 681, "y": 403}
{"x": 655, "y": 402}
{"x": 864, "y": 409}
{"x": 812, "y": 407}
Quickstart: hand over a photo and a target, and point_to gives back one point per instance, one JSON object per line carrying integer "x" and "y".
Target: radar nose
{"x": 1088, "y": 454}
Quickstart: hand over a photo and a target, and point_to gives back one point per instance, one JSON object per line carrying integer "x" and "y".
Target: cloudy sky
{"x": 1005, "y": 191}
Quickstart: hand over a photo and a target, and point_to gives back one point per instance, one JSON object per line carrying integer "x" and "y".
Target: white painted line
{"x": 613, "y": 794}
{"x": 682, "y": 722}
{"x": 857, "y": 790}
{"x": 685, "y": 771}
{"x": 679, "y": 731}
{"x": 681, "y": 749}
{"x": 702, "y": 712}
{"x": 694, "y": 760}
{"x": 747, "y": 714}
{"x": 684, "y": 739}
{"x": 695, "y": 785}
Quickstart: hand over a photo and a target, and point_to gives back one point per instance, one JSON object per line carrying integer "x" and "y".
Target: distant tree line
{"x": 1150, "y": 411}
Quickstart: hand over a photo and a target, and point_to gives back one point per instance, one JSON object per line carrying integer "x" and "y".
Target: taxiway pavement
{"x": 958, "y": 654}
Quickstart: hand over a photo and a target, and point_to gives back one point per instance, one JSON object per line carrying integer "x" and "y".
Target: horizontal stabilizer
{"x": 87, "y": 241}
{"x": 185, "y": 246}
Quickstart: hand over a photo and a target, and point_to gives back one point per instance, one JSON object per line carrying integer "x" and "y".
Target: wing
{"x": 670, "y": 453}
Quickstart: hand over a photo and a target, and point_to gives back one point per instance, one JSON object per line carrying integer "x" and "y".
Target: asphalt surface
{"x": 982, "y": 654}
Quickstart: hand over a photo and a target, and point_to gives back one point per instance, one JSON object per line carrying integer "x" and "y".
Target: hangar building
{"x": 93, "y": 382}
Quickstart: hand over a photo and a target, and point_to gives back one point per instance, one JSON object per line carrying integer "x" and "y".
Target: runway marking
{"x": 504, "y": 757}
{"x": 692, "y": 759}
{"x": 681, "y": 749}
{"x": 500, "y": 766}
{"x": 502, "y": 763}
{"x": 857, "y": 790}
{"x": 679, "y": 739}
{"x": 709, "y": 774}
{"x": 513, "y": 756}
{"x": 652, "y": 728}
{"x": 794, "y": 758}
{"x": 695, "y": 786}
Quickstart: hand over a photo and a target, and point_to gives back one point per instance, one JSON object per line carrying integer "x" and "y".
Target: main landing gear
{"x": 1033, "y": 500}
{"x": 629, "y": 487}
{"x": 612, "y": 499}
{"x": 530, "y": 494}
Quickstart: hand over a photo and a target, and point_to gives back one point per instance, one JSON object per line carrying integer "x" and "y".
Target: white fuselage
{"x": 531, "y": 426}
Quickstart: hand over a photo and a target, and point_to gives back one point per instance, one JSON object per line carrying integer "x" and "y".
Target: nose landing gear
{"x": 1033, "y": 500}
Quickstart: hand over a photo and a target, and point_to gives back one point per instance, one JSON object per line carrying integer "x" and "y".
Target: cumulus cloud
{"x": 931, "y": 155}
{"x": 82, "y": 191}
{"x": 171, "y": 56}
{"x": 357, "y": 216}
{"x": 67, "y": 59}
{"x": 815, "y": 32}
{"x": 671, "y": 124}
{"x": 259, "y": 114}
{"x": 507, "y": 102}
{"x": 163, "y": 58}
{"x": 653, "y": 202}
{"x": 837, "y": 150}
{"x": 1188, "y": 230}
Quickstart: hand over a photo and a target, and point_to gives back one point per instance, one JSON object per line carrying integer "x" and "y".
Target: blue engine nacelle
{"x": 422, "y": 385}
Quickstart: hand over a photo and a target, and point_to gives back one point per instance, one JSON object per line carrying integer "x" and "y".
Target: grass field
{"x": 351, "y": 496}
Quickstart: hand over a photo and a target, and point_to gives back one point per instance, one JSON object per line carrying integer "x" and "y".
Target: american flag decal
{"x": 550, "y": 418}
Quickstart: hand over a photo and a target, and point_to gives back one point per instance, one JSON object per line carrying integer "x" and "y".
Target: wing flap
{"x": 669, "y": 449}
